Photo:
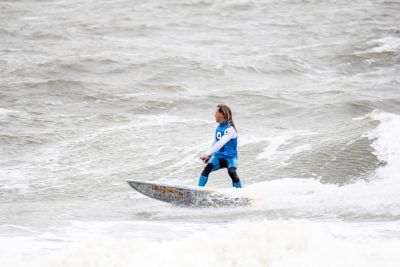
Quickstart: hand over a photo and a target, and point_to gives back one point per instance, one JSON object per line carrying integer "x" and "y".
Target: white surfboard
{"x": 182, "y": 195}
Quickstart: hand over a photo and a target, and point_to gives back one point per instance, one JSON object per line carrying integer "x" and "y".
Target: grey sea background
{"x": 94, "y": 93}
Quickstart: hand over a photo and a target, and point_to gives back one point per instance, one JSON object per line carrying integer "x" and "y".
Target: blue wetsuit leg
{"x": 232, "y": 165}
{"x": 212, "y": 165}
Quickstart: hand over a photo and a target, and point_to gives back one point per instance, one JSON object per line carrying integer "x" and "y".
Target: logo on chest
{"x": 219, "y": 134}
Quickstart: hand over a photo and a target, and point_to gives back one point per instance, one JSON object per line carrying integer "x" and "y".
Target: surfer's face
{"x": 219, "y": 117}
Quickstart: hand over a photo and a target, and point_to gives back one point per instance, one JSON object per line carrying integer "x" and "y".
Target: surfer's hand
{"x": 205, "y": 158}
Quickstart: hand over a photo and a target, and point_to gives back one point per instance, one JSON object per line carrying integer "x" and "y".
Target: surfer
{"x": 223, "y": 153}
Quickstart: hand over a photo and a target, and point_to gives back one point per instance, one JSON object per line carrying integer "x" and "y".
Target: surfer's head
{"x": 224, "y": 114}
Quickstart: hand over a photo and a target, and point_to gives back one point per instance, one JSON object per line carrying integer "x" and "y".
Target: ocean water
{"x": 94, "y": 93}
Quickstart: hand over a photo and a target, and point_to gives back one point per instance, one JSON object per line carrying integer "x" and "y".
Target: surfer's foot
{"x": 237, "y": 185}
{"x": 203, "y": 180}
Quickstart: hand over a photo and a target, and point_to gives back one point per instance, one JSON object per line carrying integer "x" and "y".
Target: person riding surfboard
{"x": 223, "y": 153}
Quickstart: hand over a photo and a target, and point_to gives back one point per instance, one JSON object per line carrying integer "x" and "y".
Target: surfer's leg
{"x": 204, "y": 175}
{"x": 232, "y": 165}
{"x": 235, "y": 178}
{"x": 212, "y": 165}
{"x": 223, "y": 163}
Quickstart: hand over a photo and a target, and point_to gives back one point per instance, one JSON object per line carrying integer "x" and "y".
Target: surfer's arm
{"x": 221, "y": 142}
{"x": 213, "y": 143}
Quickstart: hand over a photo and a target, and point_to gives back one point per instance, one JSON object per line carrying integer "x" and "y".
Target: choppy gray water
{"x": 94, "y": 93}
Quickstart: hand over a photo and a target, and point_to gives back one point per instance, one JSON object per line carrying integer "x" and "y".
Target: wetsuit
{"x": 224, "y": 154}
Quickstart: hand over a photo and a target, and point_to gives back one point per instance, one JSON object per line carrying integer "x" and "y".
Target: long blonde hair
{"x": 226, "y": 111}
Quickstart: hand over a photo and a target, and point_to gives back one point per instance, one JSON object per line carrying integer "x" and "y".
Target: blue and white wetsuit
{"x": 224, "y": 154}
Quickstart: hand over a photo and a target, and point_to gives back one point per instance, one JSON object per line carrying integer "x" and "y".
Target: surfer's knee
{"x": 207, "y": 169}
{"x": 232, "y": 173}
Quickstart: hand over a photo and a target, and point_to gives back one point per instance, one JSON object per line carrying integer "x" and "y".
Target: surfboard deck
{"x": 182, "y": 195}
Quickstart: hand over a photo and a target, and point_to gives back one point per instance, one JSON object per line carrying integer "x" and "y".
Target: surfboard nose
{"x": 131, "y": 183}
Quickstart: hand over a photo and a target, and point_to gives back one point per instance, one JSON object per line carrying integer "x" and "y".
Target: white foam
{"x": 386, "y": 143}
{"x": 263, "y": 243}
{"x": 275, "y": 152}
{"x": 275, "y": 143}
{"x": 6, "y": 111}
{"x": 308, "y": 197}
{"x": 379, "y": 196}
{"x": 14, "y": 179}
{"x": 387, "y": 44}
